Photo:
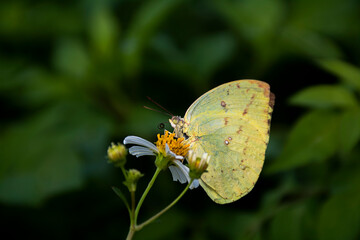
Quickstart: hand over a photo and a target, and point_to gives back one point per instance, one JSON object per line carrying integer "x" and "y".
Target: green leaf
{"x": 273, "y": 198}
{"x": 324, "y": 96}
{"x": 346, "y": 179}
{"x": 349, "y": 130}
{"x": 245, "y": 226}
{"x": 347, "y": 73}
{"x": 103, "y": 30}
{"x": 313, "y": 139}
{"x": 257, "y": 22}
{"x": 340, "y": 217}
{"x": 287, "y": 224}
{"x": 330, "y": 17}
{"x": 308, "y": 43}
{"x": 71, "y": 58}
{"x": 36, "y": 164}
{"x": 254, "y": 19}
{"x": 44, "y": 155}
{"x": 202, "y": 58}
{"x": 312, "y": 25}
{"x": 38, "y": 22}
{"x": 121, "y": 196}
{"x": 146, "y": 21}
{"x": 208, "y": 53}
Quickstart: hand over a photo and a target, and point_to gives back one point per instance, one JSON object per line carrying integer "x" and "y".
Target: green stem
{"x": 131, "y": 233}
{"x": 124, "y": 172}
{"x": 138, "y": 227}
{"x": 132, "y": 219}
{"x": 158, "y": 170}
{"x": 132, "y": 214}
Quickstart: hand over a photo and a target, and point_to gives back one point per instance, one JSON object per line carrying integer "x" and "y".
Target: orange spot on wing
{"x": 263, "y": 85}
{"x": 272, "y": 100}
{"x": 248, "y": 105}
{"x": 244, "y": 150}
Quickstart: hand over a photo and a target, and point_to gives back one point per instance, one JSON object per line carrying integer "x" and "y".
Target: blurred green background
{"x": 74, "y": 76}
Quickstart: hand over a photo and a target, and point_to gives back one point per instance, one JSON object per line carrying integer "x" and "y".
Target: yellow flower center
{"x": 176, "y": 145}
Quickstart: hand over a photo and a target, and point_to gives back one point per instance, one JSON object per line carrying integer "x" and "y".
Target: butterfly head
{"x": 178, "y": 124}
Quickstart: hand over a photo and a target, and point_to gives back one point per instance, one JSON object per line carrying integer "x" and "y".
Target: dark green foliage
{"x": 74, "y": 76}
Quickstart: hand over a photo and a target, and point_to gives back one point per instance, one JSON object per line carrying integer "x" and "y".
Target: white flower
{"x": 197, "y": 165}
{"x": 179, "y": 171}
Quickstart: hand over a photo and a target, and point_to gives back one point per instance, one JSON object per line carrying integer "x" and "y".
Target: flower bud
{"x": 132, "y": 177}
{"x": 197, "y": 165}
{"x": 117, "y": 154}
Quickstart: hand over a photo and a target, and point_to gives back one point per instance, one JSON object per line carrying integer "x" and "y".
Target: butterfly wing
{"x": 231, "y": 123}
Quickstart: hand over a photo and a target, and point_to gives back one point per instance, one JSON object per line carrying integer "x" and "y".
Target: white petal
{"x": 180, "y": 173}
{"x": 140, "y": 151}
{"x": 140, "y": 141}
{"x": 194, "y": 184}
{"x": 173, "y": 155}
{"x": 168, "y": 151}
{"x": 184, "y": 170}
{"x": 176, "y": 175}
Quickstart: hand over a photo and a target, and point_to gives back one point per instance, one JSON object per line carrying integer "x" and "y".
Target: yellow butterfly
{"x": 231, "y": 123}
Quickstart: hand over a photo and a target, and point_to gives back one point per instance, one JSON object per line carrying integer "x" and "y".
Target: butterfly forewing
{"x": 231, "y": 123}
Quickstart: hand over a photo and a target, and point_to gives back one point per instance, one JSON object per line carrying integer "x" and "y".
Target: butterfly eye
{"x": 161, "y": 126}
{"x": 174, "y": 120}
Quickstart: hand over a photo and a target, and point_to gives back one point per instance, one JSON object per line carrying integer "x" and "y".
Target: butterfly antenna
{"x": 168, "y": 112}
{"x": 155, "y": 110}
